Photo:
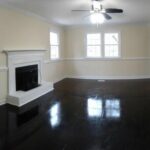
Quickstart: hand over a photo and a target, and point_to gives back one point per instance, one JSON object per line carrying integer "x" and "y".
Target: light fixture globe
{"x": 97, "y": 18}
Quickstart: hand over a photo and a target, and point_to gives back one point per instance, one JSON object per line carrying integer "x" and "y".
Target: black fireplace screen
{"x": 26, "y": 78}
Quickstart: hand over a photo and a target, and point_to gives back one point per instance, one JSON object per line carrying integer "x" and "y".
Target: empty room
{"x": 74, "y": 75}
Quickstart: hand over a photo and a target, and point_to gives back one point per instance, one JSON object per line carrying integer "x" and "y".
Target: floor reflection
{"x": 94, "y": 107}
{"x": 104, "y": 108}
{"x": 55, "y": 115}
{"x": 27, "y": 116}
{"x": 112, "y": 109}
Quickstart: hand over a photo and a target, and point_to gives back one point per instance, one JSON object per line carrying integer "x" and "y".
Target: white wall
{"x": 134, "y": 51}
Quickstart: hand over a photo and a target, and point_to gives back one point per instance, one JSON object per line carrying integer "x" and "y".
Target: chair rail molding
{"x": 3, "y": 68}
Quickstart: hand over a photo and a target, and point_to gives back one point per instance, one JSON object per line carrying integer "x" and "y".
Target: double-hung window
{"x": 111, "y": 45}
{"x": 54, "y": 45}
{"x": 94, "y": 45}
{"x": 103, "y": 45}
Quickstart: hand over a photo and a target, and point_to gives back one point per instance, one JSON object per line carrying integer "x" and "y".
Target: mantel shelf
{"x": 29, "y": 50}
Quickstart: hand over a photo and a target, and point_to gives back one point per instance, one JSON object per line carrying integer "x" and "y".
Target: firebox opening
{"x": 26, "y": 78}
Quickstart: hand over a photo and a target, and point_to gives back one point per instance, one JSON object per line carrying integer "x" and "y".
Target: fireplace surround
{"x": 24, "y": 59}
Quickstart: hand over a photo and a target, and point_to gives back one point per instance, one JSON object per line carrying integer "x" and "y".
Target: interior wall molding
{"x": 108, "y": 59}
{"x": 3, "y": 69}
{"x": 111, "y": 77}
{"x": 15, "y": 51}
{"x": 54, "y": 61}
{"x": 98, "y": 59}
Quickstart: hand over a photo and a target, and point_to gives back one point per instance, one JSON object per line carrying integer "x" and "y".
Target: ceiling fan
{"x": 98, "y": 13}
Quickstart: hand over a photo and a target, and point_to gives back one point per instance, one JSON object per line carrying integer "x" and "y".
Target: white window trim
{"x": 102, "y": 57}
{"x": 54, "y": 59}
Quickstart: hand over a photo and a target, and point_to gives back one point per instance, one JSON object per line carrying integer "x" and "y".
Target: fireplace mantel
{"x": 20, "y": 58}
{"x": 23, "y": 50}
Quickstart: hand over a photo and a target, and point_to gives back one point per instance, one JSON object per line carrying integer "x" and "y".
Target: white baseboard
{"x": 105, "y": 77}
{"x": 2, "y": 102}
{"x": 111, "y": 77}
{"x": 59, "y": 79}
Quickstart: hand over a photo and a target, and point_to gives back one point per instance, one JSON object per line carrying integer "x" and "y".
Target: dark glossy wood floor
{"x": 81, "y": 115}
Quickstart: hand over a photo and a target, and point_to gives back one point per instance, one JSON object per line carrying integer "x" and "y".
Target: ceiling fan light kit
{"x": 97, "y": 18}
{"x": 98, "y": 14}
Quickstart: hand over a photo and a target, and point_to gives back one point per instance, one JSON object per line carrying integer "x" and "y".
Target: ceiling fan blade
{"x": 81, "y": 10}
{"x": 86, "y": 16}
{"x": 113, "y": 10}
{"x": 107, "y": 17}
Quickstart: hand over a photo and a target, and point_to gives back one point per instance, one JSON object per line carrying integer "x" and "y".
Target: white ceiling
{"x": 59, "y": 11}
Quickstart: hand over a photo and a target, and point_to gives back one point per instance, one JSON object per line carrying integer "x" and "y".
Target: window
{"x": 93, "y": 45}
{"x": 54, "y": 46}
{"x": 103, "y": 45}
{"x": 111, "y": 45}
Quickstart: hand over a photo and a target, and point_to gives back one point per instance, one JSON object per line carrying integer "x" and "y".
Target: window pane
{"x": 93, "y": 39}
{"x": 54, "y": 52}
{"x": 53, "y": 38}
{"x": 111, "y": 38}
{"x": 111, "y": 51}
{"x": 93, "y": 51}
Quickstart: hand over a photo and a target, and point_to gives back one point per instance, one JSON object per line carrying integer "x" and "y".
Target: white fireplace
{"x": 22, "y": 58}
